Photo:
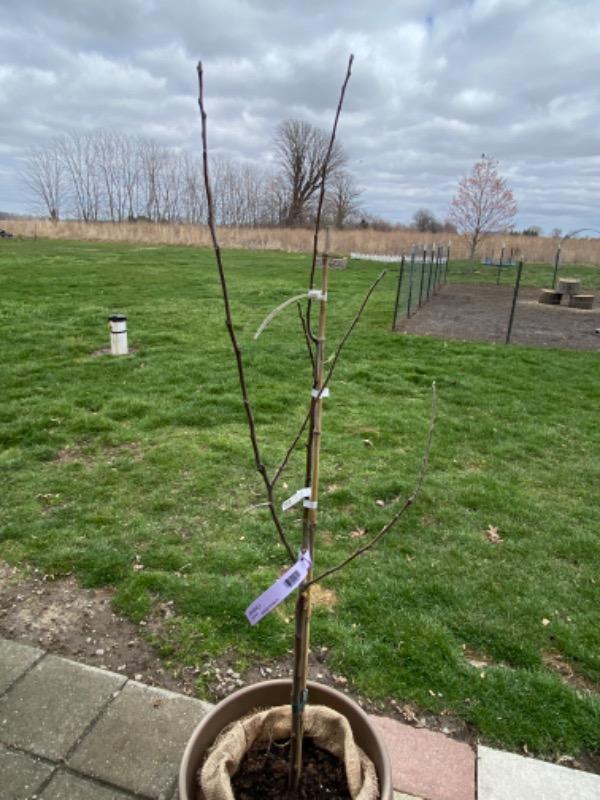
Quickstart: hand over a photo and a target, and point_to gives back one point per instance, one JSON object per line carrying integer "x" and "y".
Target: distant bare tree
{"x": 43, "y": 173}
{"x": 193, "y": 206}
{"x": 171, "y": 184}
{"x": 253, "y": 187}
{"x": 275, "y": 201}
{"x": 108, "y": 159}
{"x": 228, "y": 199}
{"x": 79, "y": 155}
{"x": 301, "y": 150}
{"x": 131, "y": 170}
{"x": 424, "y": 221}
{"x": 113, "y": 176}
{"x": 242, "y": 192}
{"x": 151, "y": 157}
{"x": 483, "y": 204}
{"x": 342, "y": 199}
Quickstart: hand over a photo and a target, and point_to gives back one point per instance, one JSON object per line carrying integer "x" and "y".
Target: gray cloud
{"x": 435, "y": 84}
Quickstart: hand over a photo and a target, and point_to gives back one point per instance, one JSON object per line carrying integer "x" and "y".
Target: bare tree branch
{"x": 322, "y": 191}
{"x": 332, "y": 366}
{"x": 406, "y": 505}
{"x": 306, "y": 336}
{"x": 229, "y": 324}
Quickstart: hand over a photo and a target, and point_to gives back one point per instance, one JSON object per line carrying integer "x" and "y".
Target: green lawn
{"x": 110, "y": 462}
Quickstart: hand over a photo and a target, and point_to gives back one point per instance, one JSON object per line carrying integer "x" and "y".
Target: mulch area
{"x": 472, "y": 312}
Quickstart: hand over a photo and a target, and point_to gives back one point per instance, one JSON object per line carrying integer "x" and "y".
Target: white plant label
{"x": 295, "y": 498}
{"x": 279, "y": 590}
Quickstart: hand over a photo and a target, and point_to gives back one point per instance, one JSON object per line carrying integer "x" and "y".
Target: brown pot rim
{"x": 325, "y": 695}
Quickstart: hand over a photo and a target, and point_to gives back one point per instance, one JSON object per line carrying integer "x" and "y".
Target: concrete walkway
{"x": 73, "y": 732}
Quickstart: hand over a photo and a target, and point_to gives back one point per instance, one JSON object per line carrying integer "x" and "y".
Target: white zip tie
{"x": 310, "y": 504}
{"x": 295, "y": 498}
{"x": 320, "y": 392}
{"x": 317, "y": 294}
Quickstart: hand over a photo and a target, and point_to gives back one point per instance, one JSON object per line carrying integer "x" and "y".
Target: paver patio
{"x": 506, "y": 776}
{"x": 73, "y": 732}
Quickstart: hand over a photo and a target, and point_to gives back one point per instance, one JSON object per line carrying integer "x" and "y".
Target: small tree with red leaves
{"x": 483, "y": 204}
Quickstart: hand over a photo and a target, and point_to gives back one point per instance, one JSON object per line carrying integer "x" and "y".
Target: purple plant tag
{"x": 279, "y": 590}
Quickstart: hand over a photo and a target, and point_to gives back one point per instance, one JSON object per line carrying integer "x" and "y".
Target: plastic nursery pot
{"x": 277, "y": 693}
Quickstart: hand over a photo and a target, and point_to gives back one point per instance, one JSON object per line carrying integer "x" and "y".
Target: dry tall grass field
{"x": 532, "y": 249}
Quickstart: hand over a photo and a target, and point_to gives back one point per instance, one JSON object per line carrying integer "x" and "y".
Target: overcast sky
{"x": 436, "y": 83}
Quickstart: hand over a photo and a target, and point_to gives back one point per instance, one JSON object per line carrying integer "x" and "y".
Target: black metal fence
{"x": 420, "y": 276}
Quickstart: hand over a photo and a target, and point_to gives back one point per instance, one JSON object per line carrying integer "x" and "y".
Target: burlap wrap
{"x": 329, "y": 730}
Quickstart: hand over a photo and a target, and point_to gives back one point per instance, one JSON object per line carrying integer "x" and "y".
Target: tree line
{"x": 103, "y": 175}
{"x": 107, "y": 176}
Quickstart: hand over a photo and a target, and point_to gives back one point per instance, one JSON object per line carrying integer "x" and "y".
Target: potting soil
{"x": 263, "y": 774}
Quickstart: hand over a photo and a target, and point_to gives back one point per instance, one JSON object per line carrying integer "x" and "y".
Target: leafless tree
{"x": 171, "y": 182}
{"x": 43, "y": 174}
{"x": 114, "y": 176}
{"x": 130, "y": 174}
{"x": 151, "y": 159}
{"x": 109, "y": 164}
{"x": 424, "y": 221}
{"x": 323, "y": 370}
{"x": 241, "y": 197}
{"x": 301, "y": 151}
{"x": 275, "y": 201}
{"x": 253, "y": 186}
{"x": 193, "y": 204}
{"x": 79, "y": 156}
{"x": 342, "y": 199}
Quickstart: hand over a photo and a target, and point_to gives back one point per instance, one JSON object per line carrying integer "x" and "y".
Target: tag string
{"x": 298, "y": 707}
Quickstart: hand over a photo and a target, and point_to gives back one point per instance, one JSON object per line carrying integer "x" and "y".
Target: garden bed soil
{"x": 263, "y": 774}
{"x": 472, "y": 312}
{"x": 63, "y": 618}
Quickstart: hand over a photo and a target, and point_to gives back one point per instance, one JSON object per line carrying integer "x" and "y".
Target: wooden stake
{"x": 303, "y": 604}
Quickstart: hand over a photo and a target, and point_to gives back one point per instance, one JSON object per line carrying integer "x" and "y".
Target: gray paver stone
{"x": 138, "y": 742}
{"x": 52, "y": 706}
{"x": 15, "y": 658}
{"x": 65, "y": 786}
{"x": 506, "y": 776}
{"x": 21, "y": 775}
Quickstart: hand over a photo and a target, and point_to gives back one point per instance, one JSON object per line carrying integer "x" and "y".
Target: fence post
{"x": 514, "y": 302}
{"x": 398, "y": 291}
{"x": 556, "y": 263}
{"x": 423, "y": 263}
{"x": 500, "y": 264}
{"x": 447, "y": 264}
{"x": 410, "y": 281}
{"x": 429, "y": 287}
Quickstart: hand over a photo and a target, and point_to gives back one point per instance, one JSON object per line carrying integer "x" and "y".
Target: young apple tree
{"x": 313, "y": 316}
{"x": 483, "y": 204}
